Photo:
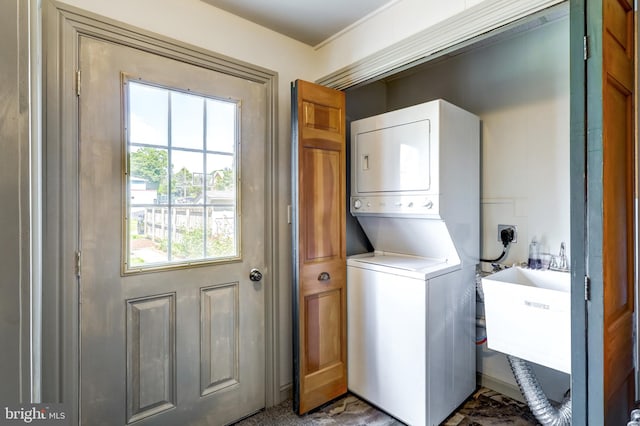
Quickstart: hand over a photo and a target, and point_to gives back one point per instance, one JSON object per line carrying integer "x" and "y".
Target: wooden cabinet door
{"x": 319, "y": 206}
{"x": 618, "y": 204}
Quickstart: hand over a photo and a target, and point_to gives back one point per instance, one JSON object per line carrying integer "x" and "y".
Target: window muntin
{"x": 181, "y": 181}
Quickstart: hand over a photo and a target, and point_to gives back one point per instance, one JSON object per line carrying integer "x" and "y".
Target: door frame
{"x": 578, "y": 210}
{"x": 63, "y": 25}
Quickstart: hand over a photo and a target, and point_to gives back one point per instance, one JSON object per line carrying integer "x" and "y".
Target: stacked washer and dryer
{"x": 411, "y": 303}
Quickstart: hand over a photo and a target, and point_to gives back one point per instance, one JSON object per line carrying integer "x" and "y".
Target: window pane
{"x": 221, "y": 176}
{"x": 221, "y": 196}
{"x": 148, "y": 242}
{"x": 221, "y": 231}
{"x": 148, "y": 114}
{"x": 221, "y": 126}
{"x": 187, "y": 178}
{"x": 188, "y": 236}
{"x": 148, "y": 175}
{"x": 187, "y": 120}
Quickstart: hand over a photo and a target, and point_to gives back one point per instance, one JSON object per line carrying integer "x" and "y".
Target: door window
{"x": 181, "y": 178}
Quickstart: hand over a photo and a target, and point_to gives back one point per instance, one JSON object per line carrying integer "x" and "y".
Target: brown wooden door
{"x": 320, "y": 296}
{"x": 618, "y": 224}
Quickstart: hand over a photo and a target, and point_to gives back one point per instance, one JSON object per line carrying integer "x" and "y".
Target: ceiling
{"x": 308, "y": 21}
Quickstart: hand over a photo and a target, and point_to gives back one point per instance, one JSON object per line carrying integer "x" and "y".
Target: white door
{"x": 172, "y": 223}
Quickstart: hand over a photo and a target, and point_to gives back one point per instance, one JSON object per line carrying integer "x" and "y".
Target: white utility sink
{"x": 528, "y": 315}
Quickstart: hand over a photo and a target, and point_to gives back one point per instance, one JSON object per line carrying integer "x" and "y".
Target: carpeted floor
{"x": 483, "y": 408}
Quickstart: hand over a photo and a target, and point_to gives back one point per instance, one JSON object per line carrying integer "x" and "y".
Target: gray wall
{"x": 14, "y": 198}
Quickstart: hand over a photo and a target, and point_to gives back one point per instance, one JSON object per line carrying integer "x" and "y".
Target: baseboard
{"x": 497, "y": 385}
{"x": 286, "y": 392}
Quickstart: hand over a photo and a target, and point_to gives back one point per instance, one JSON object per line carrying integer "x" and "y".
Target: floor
{"x": 484, "y": 408}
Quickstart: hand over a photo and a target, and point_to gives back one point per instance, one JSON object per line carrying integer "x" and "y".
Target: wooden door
{"x": 618, "y": 208}
{"x": 171, "y": 225}
{"x": 319, "y": 293}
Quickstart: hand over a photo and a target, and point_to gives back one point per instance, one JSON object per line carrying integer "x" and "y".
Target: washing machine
{"x": 410, "y": 335}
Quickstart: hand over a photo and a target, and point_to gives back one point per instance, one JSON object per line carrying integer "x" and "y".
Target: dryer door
{"x": 393, "y": 159}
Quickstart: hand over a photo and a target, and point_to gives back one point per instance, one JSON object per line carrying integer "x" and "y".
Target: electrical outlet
{"x": 515, "y": 232}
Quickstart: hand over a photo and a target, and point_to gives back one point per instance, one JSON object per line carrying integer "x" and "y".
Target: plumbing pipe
{"x": 547, "y": 414}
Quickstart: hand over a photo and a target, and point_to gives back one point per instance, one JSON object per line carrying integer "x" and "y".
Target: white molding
{"x": 356, "y": 24}
{"x": 36, "y": 195}
{"x": 286, "y": 392}
{"x": 475, "y": 21}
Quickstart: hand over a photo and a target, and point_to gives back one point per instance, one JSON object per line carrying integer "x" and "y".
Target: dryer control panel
{"x": 389, "y": 205}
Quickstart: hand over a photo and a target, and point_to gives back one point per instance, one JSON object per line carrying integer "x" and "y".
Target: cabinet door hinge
{"x": 78, "y": 83}
{"x": 585, "y": 47}
{"x": 587, "y": 288}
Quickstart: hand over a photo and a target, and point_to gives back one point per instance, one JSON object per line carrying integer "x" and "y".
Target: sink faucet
{"x": 564, "y": 262}
{"x": 560, "y": 262}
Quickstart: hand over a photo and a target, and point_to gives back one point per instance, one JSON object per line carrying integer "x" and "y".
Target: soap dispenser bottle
{"x": 535, "y": 262}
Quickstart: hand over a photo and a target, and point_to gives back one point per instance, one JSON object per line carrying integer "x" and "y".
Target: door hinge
{"x": 78, "y": 263}
{"x": 634, "y": 335}
{"x": 585, "y": 47}
{"x": 78, "y": 83}
{"x": 587, "y": 288}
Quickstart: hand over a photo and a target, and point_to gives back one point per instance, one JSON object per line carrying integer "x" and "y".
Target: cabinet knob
{"x": 324, "y": 276}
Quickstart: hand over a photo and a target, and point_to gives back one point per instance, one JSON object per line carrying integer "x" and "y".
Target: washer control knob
{"x": 429, "y": 204}
{"x": 357, "y": 204}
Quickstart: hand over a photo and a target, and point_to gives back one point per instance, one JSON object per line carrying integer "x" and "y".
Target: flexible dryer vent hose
{"x": 547, "y": 414}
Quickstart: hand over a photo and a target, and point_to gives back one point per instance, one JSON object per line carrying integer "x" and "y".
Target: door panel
{"x": 618, "y": 202}
{"x": 320, "y": 353}
{"x": 323, "y": 184}
{"x": 182, "y": 343}
{"x": 219, "y": 337}
{"x": 322, "y": 317}
{"x": 151, "y": 358}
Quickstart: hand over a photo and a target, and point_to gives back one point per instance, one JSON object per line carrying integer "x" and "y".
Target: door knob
{"x": 255, "y": 275}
